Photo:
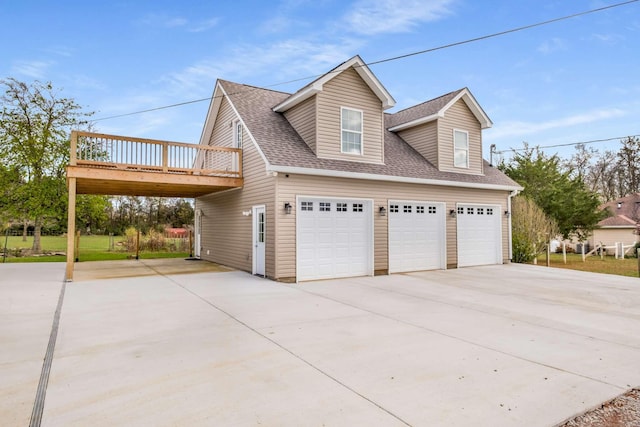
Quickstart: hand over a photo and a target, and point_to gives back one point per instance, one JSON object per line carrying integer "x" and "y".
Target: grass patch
{"x": 593, "y": 264}
{"x": 91, "y": 248}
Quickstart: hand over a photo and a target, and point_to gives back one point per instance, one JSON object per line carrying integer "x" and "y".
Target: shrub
{"x": 154, "y": 241}
{"x": 523, "y": 250}
{"x": 131, "y": 235}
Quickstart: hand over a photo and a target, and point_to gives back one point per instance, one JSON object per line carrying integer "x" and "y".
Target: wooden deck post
{"x": 71, "y": 228}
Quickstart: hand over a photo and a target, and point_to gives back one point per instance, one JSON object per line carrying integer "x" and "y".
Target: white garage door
{"x": 416, "y": 236}
{"x": 479, "y": 235}
{"x": 334, "y": 238}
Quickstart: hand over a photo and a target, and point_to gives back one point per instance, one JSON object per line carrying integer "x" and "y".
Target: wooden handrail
{"x": 100, "y": 150}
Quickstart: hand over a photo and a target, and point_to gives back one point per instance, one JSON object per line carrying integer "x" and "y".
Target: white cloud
{"x": 607, "y": 38}
{"x": 372, "y": 17}
{"x": 276, "y": 24}
{"x": 64, "y": 51}
{"x": 283, "y": 60}
{"x": 164, "y": 21}
{"x": 199, "y": 27}
{"x": 520, "y": 128}
{"x": 553, "y": 45}
{"x": 33, "y": 69}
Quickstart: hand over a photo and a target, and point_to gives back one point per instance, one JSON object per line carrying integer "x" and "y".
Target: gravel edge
{"x": 621, "y": 411}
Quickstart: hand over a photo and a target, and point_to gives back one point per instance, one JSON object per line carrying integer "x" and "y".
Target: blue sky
{"x": 569, "y": 81}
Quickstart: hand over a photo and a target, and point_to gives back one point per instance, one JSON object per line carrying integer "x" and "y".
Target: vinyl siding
{"x": 424, "y": 139}
{"x": 459, "y": 117}
{"x": 609, "y": 236}
{"x": 226, "y": 233}
{"x": 303, "y": 119}
{"x": 380, "y": 192}
{"x": 348, "y": 90}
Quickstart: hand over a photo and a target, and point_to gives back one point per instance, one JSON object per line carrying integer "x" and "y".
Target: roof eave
{"x": 390, "y": 178}
{"x": 212, "y": 113}
{"x": 417, "y": 122}
{"x": 468, "y": 99}
{"x": 297, "y": 98}
{"x": 363, "y": 71}
{"x": 476, "y": 109}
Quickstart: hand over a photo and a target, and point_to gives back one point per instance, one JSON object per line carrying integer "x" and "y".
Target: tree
{"x": 563, "y": 198}
{"x": 629, "y": 166}
{"x": 91, "y": 212}
{"x": 34, "y": 128}
{"x": 182, "y": 213}
{"x": 531, "y": 229}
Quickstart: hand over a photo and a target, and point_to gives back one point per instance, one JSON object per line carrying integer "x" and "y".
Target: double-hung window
{"x": 460, "y": 149}
{"x": 351, "y": 126}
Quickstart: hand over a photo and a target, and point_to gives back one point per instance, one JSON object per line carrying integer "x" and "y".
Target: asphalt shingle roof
{"x": 626, "y": 215}
{"x": 283, "y": 146}
{"x": 428, "y": 108}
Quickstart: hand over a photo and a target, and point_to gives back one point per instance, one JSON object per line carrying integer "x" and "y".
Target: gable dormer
{"x": 340, "y": 115}
{"x": 447, "y": 131}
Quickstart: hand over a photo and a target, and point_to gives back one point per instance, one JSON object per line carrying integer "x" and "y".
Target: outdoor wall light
{"x": 383, "y": 211}
{"x": 287, "y": 208}
{"x": 507, "y": 213}
{"x": 452, "y": 213}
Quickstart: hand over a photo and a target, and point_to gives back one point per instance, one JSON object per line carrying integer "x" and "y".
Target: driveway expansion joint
{"x": 41, "y": 392}
{"x": 289, "y": 351}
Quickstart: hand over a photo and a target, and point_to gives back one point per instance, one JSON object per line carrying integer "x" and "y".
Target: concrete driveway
{"x": 510, "y": 345}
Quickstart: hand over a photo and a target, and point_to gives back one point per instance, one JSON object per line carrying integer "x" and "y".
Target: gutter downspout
{"x": 511, "y": 194}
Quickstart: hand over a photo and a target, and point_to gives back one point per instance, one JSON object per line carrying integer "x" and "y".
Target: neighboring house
{"x": 621, "y": 226}
{"x": 336, "y": 187}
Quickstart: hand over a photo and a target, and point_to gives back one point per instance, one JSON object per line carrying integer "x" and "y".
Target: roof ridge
{"x": 429, "y": 100}
{"x": 253, "y": 86}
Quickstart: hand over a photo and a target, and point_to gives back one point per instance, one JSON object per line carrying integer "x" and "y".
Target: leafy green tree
{"x": 181, "y": 213}
{"x": 563, "y": 197}
{"x": 9, "y": 181}
{"x": 34, "y": 127}
{"x": 91, "y": 212}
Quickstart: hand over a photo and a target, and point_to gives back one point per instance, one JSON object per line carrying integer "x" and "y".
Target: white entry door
{"x": 334, "y": 238}
{"x": 259, "y": 235}
{"x": 479, "y": 235}
{"x": 416, "y": 236}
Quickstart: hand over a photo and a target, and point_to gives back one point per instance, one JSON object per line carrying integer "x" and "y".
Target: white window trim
{"x": 361, "y": 131}
{"x": 466, "y": 166}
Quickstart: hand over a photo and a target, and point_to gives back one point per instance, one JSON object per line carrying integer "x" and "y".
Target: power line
{"x": 395, "y": 58}
{"x": 502, "y": 33}
{"x": 569, "y": 144}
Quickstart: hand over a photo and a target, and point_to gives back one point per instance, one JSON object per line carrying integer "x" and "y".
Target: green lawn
{"x": 91, "y": 248}
{"x": 608, "y": 265}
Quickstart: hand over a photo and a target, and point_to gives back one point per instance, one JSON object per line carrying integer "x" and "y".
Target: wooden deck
{"x": 118, "y": 165}
{"x": 126, "y": 166}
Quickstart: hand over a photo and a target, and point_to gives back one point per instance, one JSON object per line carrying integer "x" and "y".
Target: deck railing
{"x": 148, "y": 155}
